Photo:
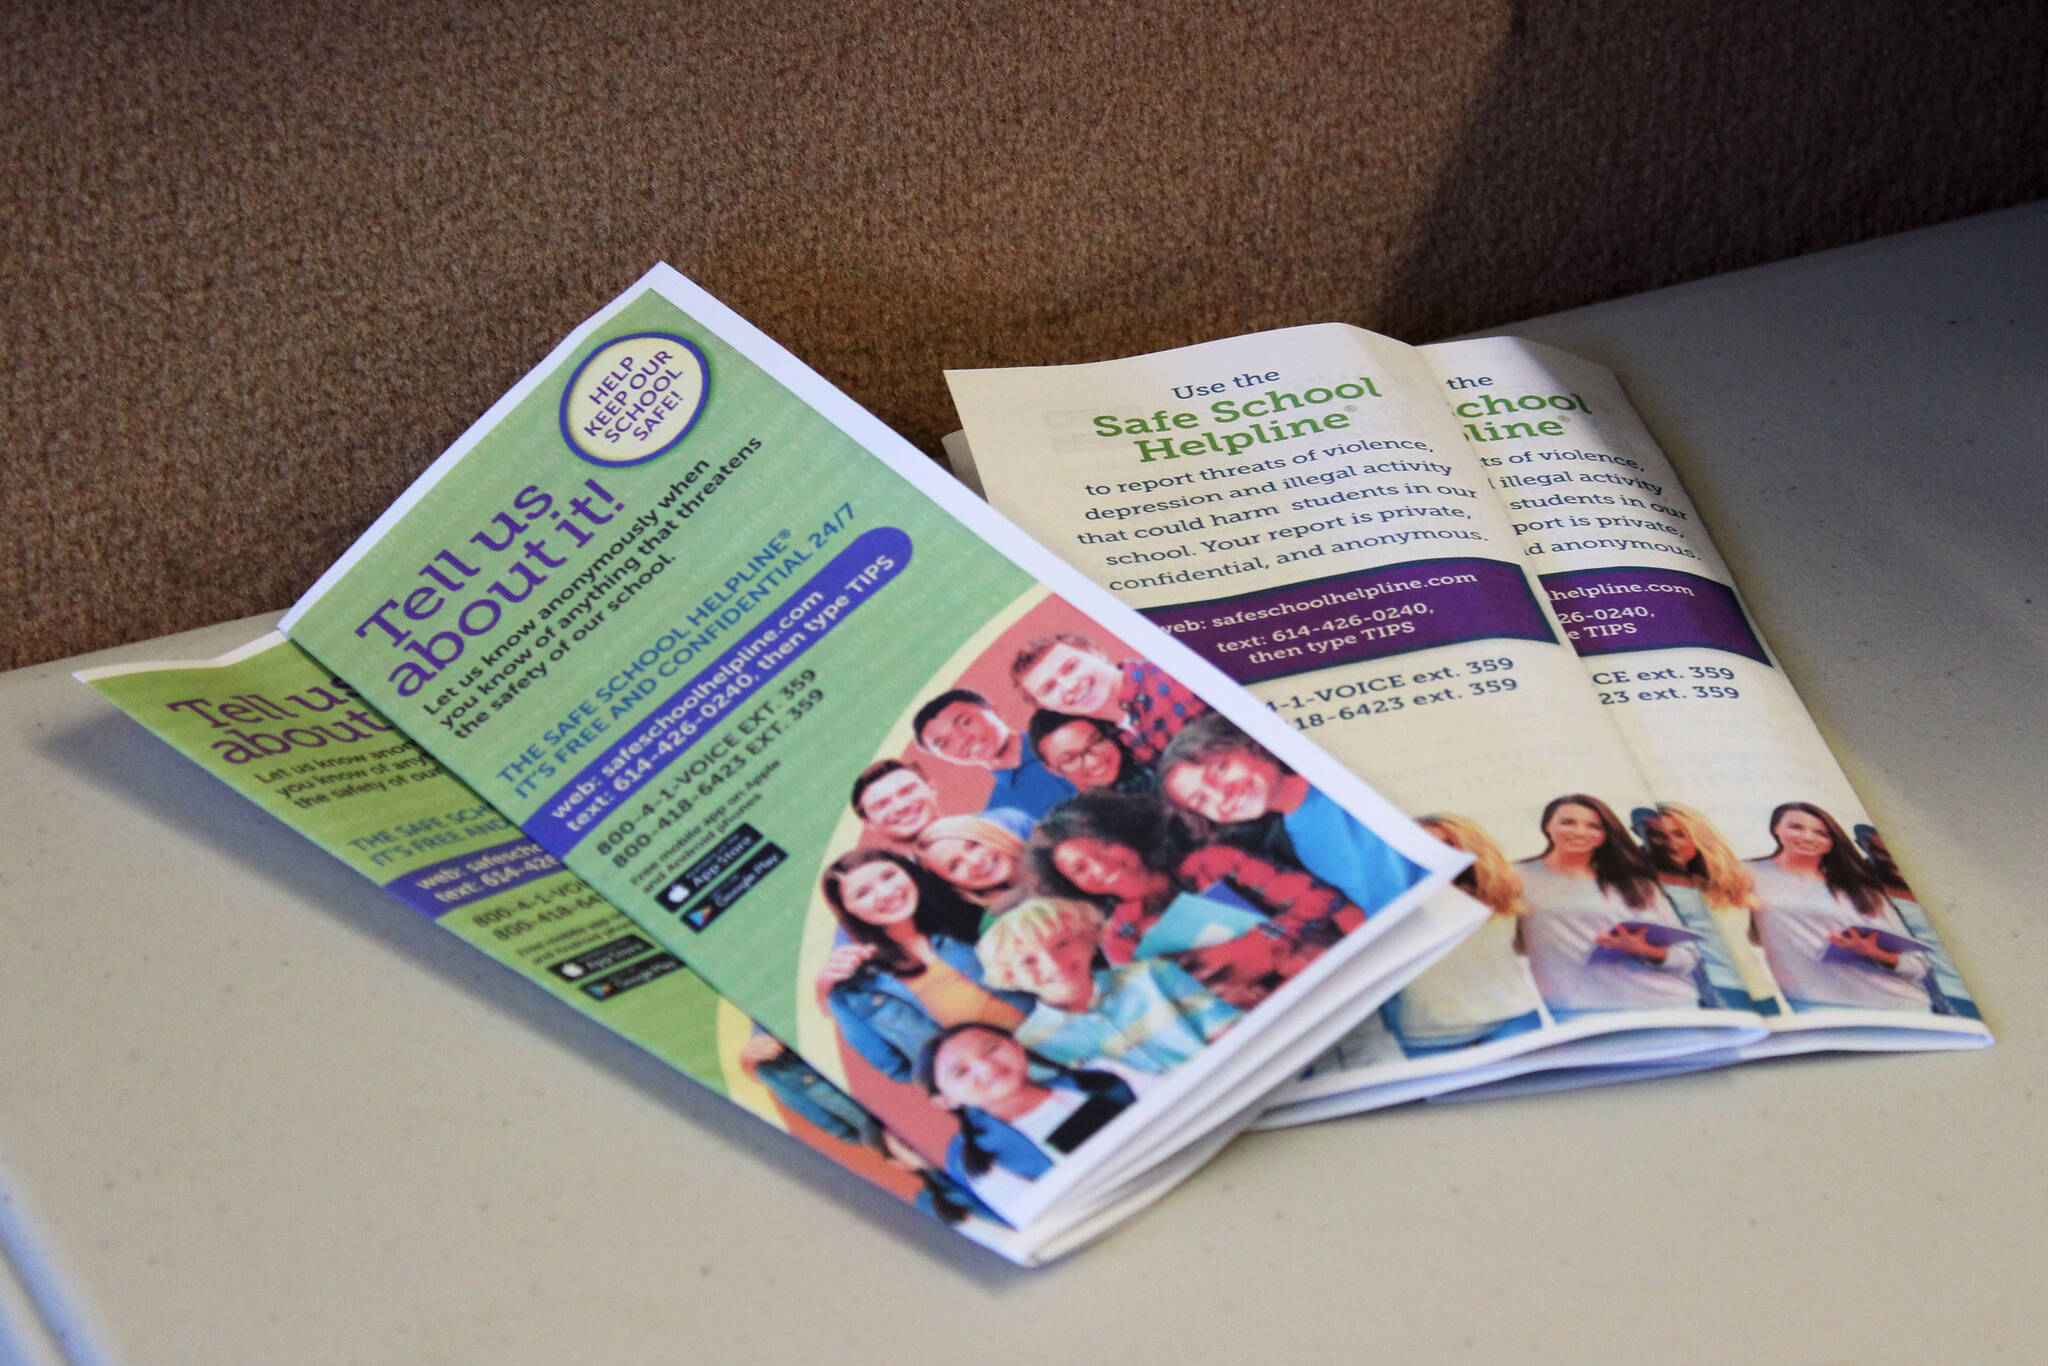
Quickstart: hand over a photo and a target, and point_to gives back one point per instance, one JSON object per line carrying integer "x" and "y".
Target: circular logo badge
{"x": 634, "y": 397}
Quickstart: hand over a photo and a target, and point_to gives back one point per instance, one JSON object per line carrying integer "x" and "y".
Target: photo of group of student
{"x": 1139, "y": 875}
{"x": 1034, "y": 1025}
{"x": 1666, "y": 915}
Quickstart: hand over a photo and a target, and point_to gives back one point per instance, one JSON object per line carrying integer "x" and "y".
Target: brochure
{"x": 1470, "y": 575}
{"x": 1722, "y": 736}
{"x": 749, "y": 665}
{"x": 352, "y": 782}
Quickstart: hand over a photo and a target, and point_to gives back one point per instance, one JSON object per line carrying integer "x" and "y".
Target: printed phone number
{"x": 1618, "y": 685}
{"x": 1387, "y": 693}
{"x": 675, "y": 799}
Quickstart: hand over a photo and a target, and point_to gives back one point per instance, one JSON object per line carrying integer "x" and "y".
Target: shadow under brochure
{"x": 283, "y": 732}
{"x": 752, "y": 668}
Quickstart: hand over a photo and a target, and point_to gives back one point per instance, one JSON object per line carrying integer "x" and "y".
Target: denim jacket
{"x": 881, "y": 1018}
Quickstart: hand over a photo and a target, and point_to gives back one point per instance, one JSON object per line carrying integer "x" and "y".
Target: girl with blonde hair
{"x": 1147, "y": 1016}
{"x": 1688, "y": 851}
{"x": 980, "y": 857}
{"x": 1491, "y": 880}
{"x": 1482, "y": 990}
{"x": 1704, "y": 877}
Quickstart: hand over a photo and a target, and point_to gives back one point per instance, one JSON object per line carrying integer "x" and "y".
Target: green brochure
{"x": 881, "y": 769}
{"x": 282, "y": 731}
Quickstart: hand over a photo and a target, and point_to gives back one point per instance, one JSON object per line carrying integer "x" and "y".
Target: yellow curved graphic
{"x": 735, "y": 1027}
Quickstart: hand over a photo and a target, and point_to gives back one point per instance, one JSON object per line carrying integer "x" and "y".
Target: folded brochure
{"x": 746, "y": 663}
{"x": 1470, "y": 574}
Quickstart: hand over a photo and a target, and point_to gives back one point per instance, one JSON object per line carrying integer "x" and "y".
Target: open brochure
{"x": 1469, "y": 573}
{"x": 747, "y": 663}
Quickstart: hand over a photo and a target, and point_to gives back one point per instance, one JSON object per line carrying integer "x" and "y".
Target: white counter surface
{"x": 253, "y": 1111}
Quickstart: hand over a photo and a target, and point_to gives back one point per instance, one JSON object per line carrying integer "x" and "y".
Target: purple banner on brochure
{"x": 1619, "y": 611}
{"x": 441, "y": 887}
{"x": 1393, "y": 610}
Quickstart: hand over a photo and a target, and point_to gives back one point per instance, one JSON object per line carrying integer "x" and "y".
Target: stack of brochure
{"x": 1471, "y": 575}
{"x": 684, "y": 688}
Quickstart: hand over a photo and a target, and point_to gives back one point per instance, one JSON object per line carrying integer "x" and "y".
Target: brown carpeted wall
{"x": 262, "y": 262}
